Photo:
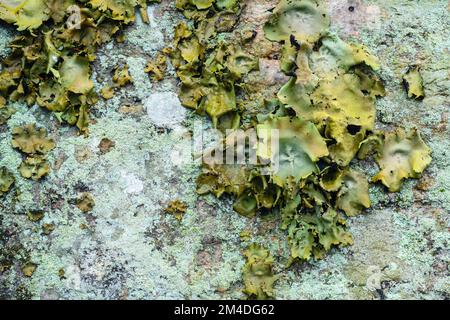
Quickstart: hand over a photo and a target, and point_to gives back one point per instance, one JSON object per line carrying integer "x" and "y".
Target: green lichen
{"x": 133, "y": 255}
{"x": 6, "y": 180}
{"x": 177, "y": 208}
{"x": 31, "y": 140}
{"x": 414, "y": 83}
{"x": 5, "y": 113}
{"x": 56, "y": 69}
{"x": 258, "y": 273}
{"x": 210, "y": 80}
{"x": 85, "y": 202}
{"x": 334, "y": 87}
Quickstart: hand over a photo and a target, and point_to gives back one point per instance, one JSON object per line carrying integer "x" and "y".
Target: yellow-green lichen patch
{"x": 341, "y": 99}
{"x": 107, "y": 92}
{"x": 28, "y": 269}
{"x": 25, "y": 14}
{"x": 6, "y": 180}
{"x": 121, "y": 10}
{"x": 353, "y": 196}
{"x": 75, "y": 75}
{"x": 315, "y": 234}
{"x": 121, "y": 76}
{"x": 85, "y": 202}
{"x": 403, "y": 155}
{"x": 370, "y": 146}
{"x": 209, "y": 69}
{"x": 199, "y": 4}
{"x": 157, "y": 68}
{"x": 219, "y": 179}
{"x": 258, "y": 274}
{"x": 231, "y": 179}
{"x": 336, "y": 53}
{"x": 245, "y": 235}
{"x": 306, "y": 20}
{"x": 34, "y": 168}
{"x": 59, "y": 8}
{"x": 346, "y": 140}
{"x": 52, "y": 65}
{"x": 177, "y": 208}
{"x": 62, "y": 274}
{"x": 31, "y": 140}
{"x": 48, "y": 228}
{"x": 5, "y": 112}
{"x": 335, "y": 88}
{"x": 258, "y": 193}
{"x": 300, "y": 146}
{"x": 35, "y": 215}
{"x": 322, "y": 117}
{"x": 414, "y": 83}
{"x": 289, "y": 53}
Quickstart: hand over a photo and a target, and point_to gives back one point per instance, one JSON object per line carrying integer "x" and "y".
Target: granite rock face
{"x": 127, "y": 247}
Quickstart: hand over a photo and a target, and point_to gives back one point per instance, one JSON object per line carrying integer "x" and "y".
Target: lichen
{"x": 403, "y": 155}
{"x": 56, "y": 68}
{"x": 177, "y": 208}
{"x": 414, "y": 83}
{"x": 157, "y": 67}
{"x": 28, "y": 14}
{"x": 306, "y": 20}
{"x": 28, "y": 269}
{"x": 120, "y": 78}
{"x": 209, "y": 80}
{"x": 258, "y": 274}
{"x": 34, "y": 168}
{"x": 6, "y": 180}
{"x": 35, "y": 144}
{"x": 85, "y": 202}
{"x": 35, "y": 215}
{"x": 325, "y": 114}
{"x": 128, "y": 248}
{"x": 5, "y": 112}
{"x": 31, "y": 140}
